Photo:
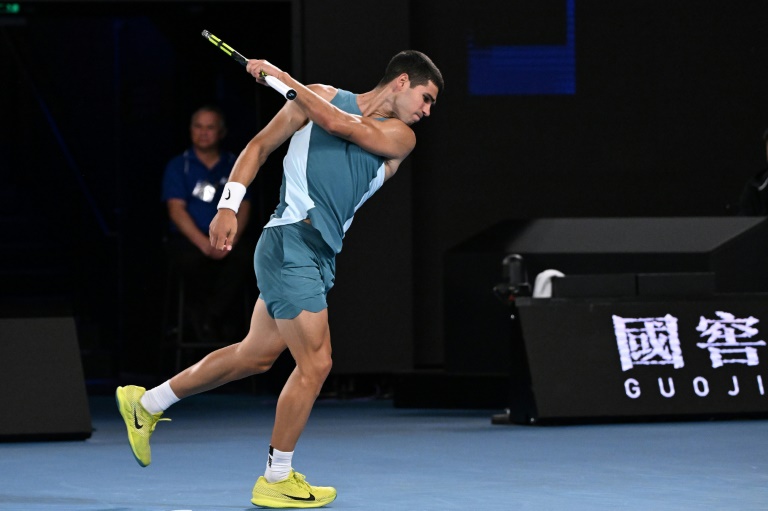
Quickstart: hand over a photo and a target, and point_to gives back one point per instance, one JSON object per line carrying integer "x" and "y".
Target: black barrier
{"x": 632, "y": 359}
{"x": 697, "y": 255}
{"x": 41, "y": 376}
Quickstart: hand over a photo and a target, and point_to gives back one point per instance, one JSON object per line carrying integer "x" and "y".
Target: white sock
{"x": 159, "y": 399}
{"x": 278, "y": 465}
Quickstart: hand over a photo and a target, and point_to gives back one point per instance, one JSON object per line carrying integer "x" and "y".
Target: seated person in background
{"x": 192, "y": 186}
{"x": 754, "y": 196}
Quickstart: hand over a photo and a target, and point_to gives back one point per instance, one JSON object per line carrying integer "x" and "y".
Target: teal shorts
{"x": 295, "y": 269}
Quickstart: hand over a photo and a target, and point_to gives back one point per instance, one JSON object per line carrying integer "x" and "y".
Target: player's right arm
{"x": 283, "y": 125}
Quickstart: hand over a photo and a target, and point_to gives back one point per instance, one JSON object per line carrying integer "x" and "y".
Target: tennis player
{"x": 343, "y": 147}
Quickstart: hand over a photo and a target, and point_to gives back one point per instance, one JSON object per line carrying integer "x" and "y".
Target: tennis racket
{"x": 273, "y": 82}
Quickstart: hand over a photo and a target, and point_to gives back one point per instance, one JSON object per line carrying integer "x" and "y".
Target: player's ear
{"x": 402, "y": 81}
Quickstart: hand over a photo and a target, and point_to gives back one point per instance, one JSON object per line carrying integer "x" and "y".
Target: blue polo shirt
{"x": 188, "y": 179}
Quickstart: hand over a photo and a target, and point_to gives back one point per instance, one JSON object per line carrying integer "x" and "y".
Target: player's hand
{"x": 223, "y": 229}
{"x": 217, "y": 255}
{"x": 258, "y": 66}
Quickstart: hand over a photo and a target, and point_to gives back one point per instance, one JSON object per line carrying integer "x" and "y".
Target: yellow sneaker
{"x": 139, "y": 422}
{"x": 291, "y": 492}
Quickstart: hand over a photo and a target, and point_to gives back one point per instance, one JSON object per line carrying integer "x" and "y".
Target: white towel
{"x": 542, "y": 286}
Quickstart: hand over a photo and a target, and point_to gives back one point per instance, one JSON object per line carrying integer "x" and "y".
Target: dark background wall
{"x": 97, "y": 98}
{"x": 666, "y": 120}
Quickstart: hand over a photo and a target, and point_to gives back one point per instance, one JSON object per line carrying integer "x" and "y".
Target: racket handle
{"x": 225, "y": 48}
{"x": 280, "y": 87}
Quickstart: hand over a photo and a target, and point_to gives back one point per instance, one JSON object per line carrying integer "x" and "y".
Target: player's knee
{"x": 325, "y": 366}
{"x": 249, "y": 364}
{"x": 315, "y": 372}
{"x": 260, "y": 365}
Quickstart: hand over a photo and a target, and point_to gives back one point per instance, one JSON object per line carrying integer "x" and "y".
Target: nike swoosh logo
{"x": 229, "y": 194}
{"x": 136, "y": 420}
{"x": 310, "y": 498}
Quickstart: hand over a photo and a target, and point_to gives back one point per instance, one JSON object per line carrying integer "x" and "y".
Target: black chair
{"x": 179, "y": 327}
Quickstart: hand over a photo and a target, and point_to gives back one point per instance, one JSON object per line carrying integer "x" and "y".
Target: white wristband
{"x": 232, "y": 196}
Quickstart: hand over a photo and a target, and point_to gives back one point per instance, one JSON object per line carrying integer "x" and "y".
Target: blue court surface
{"x": 383, "y": 458}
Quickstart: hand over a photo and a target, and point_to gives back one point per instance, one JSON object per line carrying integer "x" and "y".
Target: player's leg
{"x": 255, "y": 354}
{"x": 309, "y": 341}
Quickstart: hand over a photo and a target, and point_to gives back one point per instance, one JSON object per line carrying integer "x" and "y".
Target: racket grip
{"x": 280, "y": 87}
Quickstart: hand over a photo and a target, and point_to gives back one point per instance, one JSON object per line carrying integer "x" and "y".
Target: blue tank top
{"x": 326, "y": 178}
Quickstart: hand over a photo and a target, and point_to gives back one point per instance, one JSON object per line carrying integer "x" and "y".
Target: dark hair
{"x": 210, "y": 108}
{"x": 419, "y": 68}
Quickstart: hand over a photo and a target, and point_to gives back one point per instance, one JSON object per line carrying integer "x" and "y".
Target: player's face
{"x": 418, "y": 102}
{"x": 206, "y": 130}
